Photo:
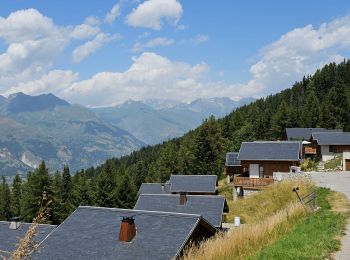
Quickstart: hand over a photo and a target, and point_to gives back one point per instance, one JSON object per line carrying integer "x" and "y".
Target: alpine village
{"x": 268, "y": 180}
{"x": 236, "y": 187}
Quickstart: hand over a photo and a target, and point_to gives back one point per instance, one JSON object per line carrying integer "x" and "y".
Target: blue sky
{"x": 104, "y": 52}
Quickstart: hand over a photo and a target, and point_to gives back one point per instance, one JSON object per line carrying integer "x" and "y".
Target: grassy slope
{"x": 268, "y": 221}
{"x": 255, "y": 208}
{"x": 316, "y": 236}
{"x": 278, "y": 228}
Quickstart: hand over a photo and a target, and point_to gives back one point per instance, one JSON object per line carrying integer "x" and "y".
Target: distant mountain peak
{"x": 20, "y": 102}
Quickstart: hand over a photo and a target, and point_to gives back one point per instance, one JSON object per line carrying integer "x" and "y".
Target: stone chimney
{"x": 127, "y": 229}
{"x": 183, "y": 198}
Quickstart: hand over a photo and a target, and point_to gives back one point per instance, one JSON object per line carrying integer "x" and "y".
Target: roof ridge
{"x": 187, "y": 195}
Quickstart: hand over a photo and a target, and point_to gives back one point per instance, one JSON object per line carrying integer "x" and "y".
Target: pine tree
{"x": 280, "y": 121}
{"x": 17, "y": 195}
{"x": 311, "y": 109}
{"x": 207, "y": 146}
{"x": 38, "y": 194}
{"x": 106, "y": 195}
{"x": 5, "y": 210}
{"x": 126, "y": 193}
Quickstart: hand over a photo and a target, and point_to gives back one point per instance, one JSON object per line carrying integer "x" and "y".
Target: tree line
{"x": 320, "y": 100}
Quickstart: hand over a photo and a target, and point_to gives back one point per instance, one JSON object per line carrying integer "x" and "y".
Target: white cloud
{"x": 113, "y": 13}
{"x": 149, "y": 76}
{"x": 300, "y": 52}
{"x": 199, "y": 38}
{"x": 84, "y": 31}
{"x": 55, "y": 81}
{"x": 90, "y": 47}
{"x": 156, "y": 42}
{"x": 152, "y": 13}
{"x": 34, "y": 42}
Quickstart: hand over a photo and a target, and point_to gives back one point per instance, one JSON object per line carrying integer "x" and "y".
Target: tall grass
{"x": 245, "y": 241}
{"x": 315, "y": 237}
{"x": 257, "y": 206}
{"x": 270, "y": 213}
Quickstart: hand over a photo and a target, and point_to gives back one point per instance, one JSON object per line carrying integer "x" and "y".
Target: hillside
{"x": 155, "y": 121}
{"x": 318, "y": 100}
{"x": 321, "y": 100}
{"x": 48, "y": 128}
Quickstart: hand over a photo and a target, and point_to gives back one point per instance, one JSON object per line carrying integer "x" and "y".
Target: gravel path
{"x": 338, "y": 181}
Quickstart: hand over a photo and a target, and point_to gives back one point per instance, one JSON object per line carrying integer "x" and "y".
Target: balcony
{"x": 252, "y": 183}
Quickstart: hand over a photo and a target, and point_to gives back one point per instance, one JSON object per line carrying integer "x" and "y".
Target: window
{"x": 331, "y": 149}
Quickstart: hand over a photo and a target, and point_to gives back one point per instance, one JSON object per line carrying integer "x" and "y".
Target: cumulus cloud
{"x": 54, "y": 81}
{"x": 34, "y": 42}
{"x": 89, "y": 47}
{"x": 149, "y": 76}
{"x": 152, "y": 13}
{"x": 299, "y": 52}
{"x": 113, "y": 13}
{"x": 156, "y": 42}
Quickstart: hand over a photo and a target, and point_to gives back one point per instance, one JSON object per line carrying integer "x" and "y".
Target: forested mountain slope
{"x": 321, "y": 100}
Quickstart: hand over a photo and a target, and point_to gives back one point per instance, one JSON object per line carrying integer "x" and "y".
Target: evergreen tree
{"x": 311, "y": 109}
{"x": 38, "y": 194}
{"x": 280, "y": 121}
{"x": 126, "y": 192}
{"x": 17, "y": 195}
{"x": 107, "y": 189}
{"x": 5, "y": 203}
{"x": 207, "y": 146}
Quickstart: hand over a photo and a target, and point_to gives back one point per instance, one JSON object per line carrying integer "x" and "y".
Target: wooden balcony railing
{"x": 253, "y": 183}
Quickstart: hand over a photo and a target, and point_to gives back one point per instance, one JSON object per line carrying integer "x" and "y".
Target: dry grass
{"x": 339, "y": 202}
{"x": 257, "y": 206}
{"x": 270, "y": 214}
{"x": 245, "y": 241}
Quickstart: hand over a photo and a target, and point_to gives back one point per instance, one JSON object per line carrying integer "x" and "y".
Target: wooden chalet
{"x": 259, "y": 160}
{"x": 331, "y": 144}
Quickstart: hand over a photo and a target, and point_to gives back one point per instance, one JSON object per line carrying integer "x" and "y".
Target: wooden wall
{"x": 272, "y": 166}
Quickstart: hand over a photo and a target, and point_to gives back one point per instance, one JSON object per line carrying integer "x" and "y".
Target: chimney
{"x": 127, "y": 229}
{"x": 14, "y": 223}
{"x": 183, "y": 198}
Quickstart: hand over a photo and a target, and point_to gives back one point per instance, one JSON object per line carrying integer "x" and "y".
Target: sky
{"x": 102, "y": 53}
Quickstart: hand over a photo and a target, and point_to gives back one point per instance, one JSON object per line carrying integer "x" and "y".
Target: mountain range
{"x": 45, "y": 127}
{"x": 154, "y": 121}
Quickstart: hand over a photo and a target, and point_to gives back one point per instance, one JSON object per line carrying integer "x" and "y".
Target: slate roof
{"x": 92, "y": 233}
{"x": 209, "y": 207}
{"x": 270, "y": 151}
{"x": 332, "y": 138}
{"x": 305, "y": 133}
{"x": 9, "y": 238}
{"x": 154, "y": 188}
{"x": 231, "y": 159}
{"x": 193, "y": 183}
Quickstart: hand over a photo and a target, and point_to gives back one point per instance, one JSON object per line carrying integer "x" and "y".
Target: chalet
{"x": 12, "y": 231}
{"x": 232, "y": 164}
{"x": 111, "y": 233}
{"x": 331, "y": 144}
{"x": 213, "y": 208}
{"x": 261, "y": 159}
{"x": 304, "y": 134}
{"x": 189, "y": 184}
